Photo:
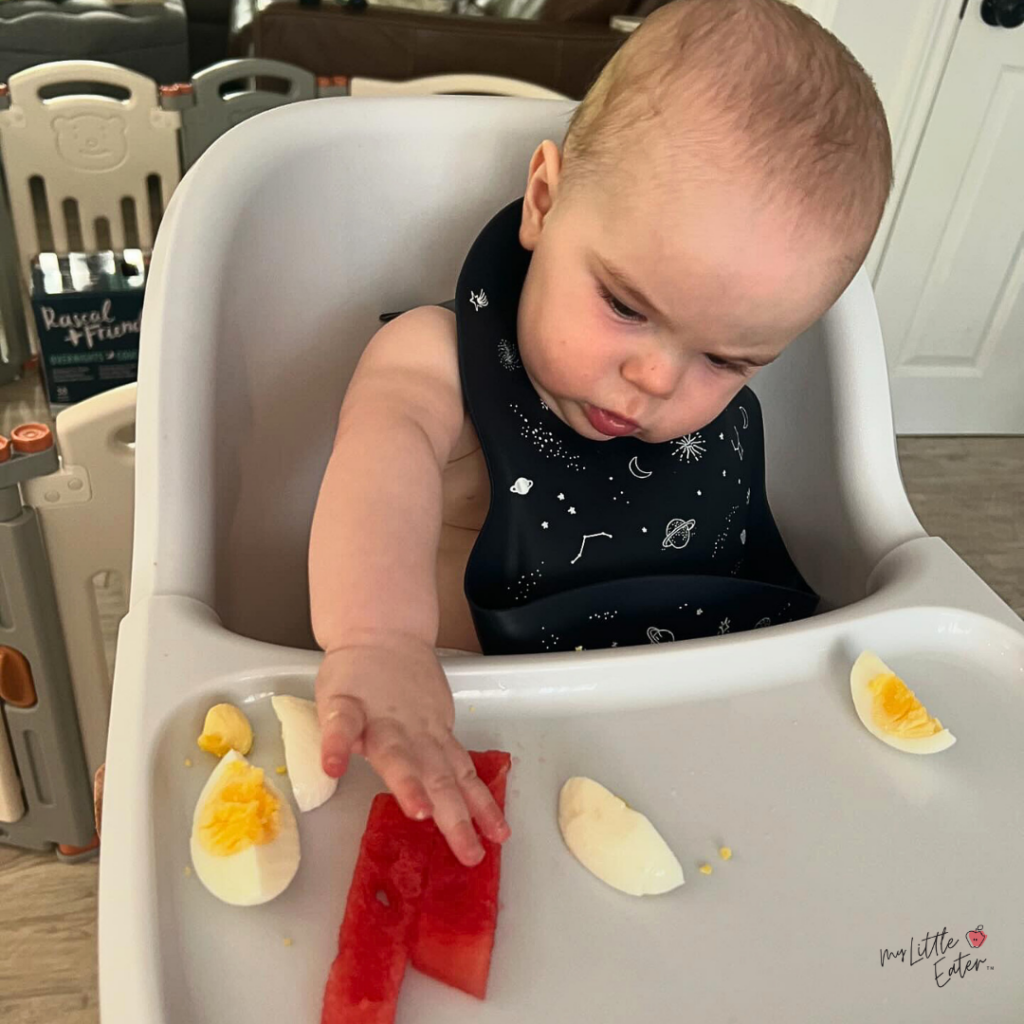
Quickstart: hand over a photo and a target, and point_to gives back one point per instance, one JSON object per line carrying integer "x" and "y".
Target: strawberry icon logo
{"x": 977, "y": 937}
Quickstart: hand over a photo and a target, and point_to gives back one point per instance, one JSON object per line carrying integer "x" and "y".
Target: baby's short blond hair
{"x": 752, "y": 86}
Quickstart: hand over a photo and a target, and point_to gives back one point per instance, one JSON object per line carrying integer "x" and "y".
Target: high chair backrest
{"x": 90, "y": 157}
{"x": 433, "y": 85}
{"x": 279, "y": 251}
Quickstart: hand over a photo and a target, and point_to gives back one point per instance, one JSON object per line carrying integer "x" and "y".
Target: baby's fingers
{"x": 478, "y": 796}
{"x": 342, "y": 721}
{"x": 451, "y": 813}
{"x": 389, "y": 752}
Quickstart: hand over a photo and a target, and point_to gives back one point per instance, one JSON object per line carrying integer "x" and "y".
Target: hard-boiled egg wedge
{"x": 613, "y": 841}
{"x": 226, "y": 728}
{"x": 300, "y": 731}
{"x": 245, "y": 843}
{"x": 890, "y": 711}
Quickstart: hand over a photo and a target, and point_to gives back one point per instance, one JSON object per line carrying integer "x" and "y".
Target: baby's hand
{"x": 392, "y": 704}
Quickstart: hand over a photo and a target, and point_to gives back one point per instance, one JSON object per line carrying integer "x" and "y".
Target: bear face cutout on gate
{"x": 92, "y": 142}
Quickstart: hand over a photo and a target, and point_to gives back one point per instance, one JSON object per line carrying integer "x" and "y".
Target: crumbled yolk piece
{"x": 281, "y": 769}
{"x": 188, "y": 762}
{"x": 898, "y": 712}
{"x": 287, "y": 942}
{"x": 226, "y": 728}
{"x": 725, "y": 853}
{"x": 706, "y": 869}
{"x": 240, "y": 813}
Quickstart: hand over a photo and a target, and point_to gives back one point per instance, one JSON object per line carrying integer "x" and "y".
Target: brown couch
{"x": 332, "y": 39}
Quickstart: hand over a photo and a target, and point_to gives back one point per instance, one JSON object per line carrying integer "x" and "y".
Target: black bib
{"x": 593, "y": 544}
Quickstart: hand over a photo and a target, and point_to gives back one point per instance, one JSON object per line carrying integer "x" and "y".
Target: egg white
{"x": 255, "y": 875}
{"x": 867, "y": 668}
{"x": 300, "y": 732}
{"x": 614, "y": 842}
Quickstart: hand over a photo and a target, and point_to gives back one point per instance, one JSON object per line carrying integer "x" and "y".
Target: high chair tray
{"x": 843, "y": 847}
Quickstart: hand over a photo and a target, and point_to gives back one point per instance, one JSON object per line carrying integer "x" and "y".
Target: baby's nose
{"x": 654, "y": 373}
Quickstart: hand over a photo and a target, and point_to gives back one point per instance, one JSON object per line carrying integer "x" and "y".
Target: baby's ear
{"x": 541, "y": 186}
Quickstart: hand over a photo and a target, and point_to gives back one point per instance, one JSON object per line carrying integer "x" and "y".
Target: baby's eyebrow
{"x": 630, "y": 290}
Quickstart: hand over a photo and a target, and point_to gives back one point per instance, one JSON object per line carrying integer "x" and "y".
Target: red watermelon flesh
{"x": 458, "y": 914}
{"x": 380, "y": 914}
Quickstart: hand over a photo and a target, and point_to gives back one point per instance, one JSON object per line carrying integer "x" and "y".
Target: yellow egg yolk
{"x": 240, "y": 813}
{"x": 226, "y": 728}
{"x": 898, "y": 712}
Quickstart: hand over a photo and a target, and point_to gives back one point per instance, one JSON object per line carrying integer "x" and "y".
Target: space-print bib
{"x": 592, "y": 544}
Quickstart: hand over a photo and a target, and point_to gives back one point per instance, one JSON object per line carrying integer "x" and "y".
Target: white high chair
{"x": 276, "y": 256}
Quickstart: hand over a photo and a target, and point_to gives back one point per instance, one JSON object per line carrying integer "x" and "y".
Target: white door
{"x": 949, "y": 285}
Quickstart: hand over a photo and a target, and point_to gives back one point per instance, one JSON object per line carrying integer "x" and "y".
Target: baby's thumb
{"x": 342, "y": 721}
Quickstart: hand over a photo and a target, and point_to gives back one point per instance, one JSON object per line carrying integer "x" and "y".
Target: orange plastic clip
{"x": 74, "y": 851}
{"x": 31, "y": 437}
{"x": 17, "y": 687}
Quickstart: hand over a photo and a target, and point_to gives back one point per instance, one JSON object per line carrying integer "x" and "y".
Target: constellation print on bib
{"x": 689, "y": 446}
{"x": 523, "y": 587}
{"x": 746, "y": 418}
{"x": 724, "y": 626}
{"x": 546, "y": 442}
{"x": 549, "y": 642}
{"x": 723, "y": 536}
{"x": 479, "y": 300}
{"x": 737, "y": 445}
{"x": 586, "y": 537}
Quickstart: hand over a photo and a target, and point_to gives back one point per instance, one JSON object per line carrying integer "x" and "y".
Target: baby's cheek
{"x": 698, "y": 404}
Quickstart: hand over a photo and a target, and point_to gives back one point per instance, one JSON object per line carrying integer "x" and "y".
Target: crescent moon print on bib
{"x": 615, "y": 543}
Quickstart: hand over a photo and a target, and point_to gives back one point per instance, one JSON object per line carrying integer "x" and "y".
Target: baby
{"x": 715, "y": 193}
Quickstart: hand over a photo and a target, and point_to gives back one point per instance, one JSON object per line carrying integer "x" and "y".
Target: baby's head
{"x": 716, "y": 192}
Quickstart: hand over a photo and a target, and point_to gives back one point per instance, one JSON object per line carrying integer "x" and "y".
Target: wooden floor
{"x": 968, "y": 490}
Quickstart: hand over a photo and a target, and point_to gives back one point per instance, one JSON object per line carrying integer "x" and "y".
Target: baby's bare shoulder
{"x": 411, "y": 367}
{"x": 423, "y": 340}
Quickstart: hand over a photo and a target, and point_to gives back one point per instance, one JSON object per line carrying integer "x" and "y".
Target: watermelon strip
{"x": 459, "y": 907}
{"x": 380, "y": 915}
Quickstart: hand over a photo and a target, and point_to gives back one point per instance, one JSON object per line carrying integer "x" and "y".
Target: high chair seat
{"x": 277, "y": 254}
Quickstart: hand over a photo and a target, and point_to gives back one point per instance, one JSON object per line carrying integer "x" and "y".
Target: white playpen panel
{"x": 85, "y": 512}
{"x": 85, "y": 170}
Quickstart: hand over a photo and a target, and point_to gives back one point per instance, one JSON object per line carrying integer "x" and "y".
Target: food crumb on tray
{"x": 706, "y": 869}
{"x": 725, "y": 853}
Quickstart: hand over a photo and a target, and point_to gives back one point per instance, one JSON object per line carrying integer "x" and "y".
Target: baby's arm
{"x": 373, "y": 551}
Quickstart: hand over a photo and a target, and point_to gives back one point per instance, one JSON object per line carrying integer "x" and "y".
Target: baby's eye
{"x": 723, "y": 364}
{"x": 620, "y": 309}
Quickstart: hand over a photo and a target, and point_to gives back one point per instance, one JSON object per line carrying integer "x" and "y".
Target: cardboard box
{"x": 87, "y": 309}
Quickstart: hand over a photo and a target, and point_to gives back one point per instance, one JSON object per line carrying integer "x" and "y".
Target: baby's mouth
{"x": 611, "y": 424}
